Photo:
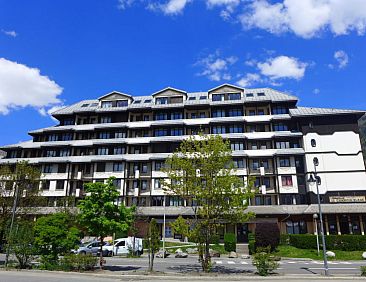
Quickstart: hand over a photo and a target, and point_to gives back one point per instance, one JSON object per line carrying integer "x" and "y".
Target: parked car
{"x": 123, "y": 246}
{"x": 91, "y": 248}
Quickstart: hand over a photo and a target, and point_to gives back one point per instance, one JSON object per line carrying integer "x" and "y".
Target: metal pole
{"x": 326, "y": 271}
{"x": 317, "y": 235}
{"x": 12, "y": 223}
{"x": 164, "y": 229}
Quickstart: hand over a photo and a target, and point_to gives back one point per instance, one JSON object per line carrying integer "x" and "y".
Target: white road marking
{"x": 291, "y": 262}
{"x": 218, "y": 262}
{"x": 244, "y": 262}
{"x": 231, "y": 262}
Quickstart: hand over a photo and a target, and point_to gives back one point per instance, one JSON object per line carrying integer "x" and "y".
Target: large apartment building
{"x": 272, "y": 139}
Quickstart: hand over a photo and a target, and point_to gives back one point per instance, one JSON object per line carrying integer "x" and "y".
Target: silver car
{"x": 92, "y": 248}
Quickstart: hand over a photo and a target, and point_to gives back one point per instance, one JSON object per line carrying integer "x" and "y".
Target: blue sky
{"x": 55, "y": 53}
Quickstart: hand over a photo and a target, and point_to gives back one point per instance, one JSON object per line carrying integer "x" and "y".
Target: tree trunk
{"x": 101, "y": 253}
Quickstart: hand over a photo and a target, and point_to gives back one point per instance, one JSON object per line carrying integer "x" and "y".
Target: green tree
{"x": 19, "y": 188}
{"x": 21, "y": 243}
{"x": 55, "y": 235}
{"x": 202, "y": 172}
{"x": 101, "y": 215}
{"x": 153, "y": 242}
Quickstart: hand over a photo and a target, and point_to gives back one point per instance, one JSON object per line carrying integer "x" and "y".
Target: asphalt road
{"x": 224, "y": 265}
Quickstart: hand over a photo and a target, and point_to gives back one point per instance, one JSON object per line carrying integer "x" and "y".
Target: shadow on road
{"x": 120, "y": 268}
{"x": 216, "y": 269}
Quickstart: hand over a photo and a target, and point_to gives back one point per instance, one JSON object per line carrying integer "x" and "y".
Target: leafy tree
{"x": 153, "y": 242}
{"x": 101, "y": 215}
{"x": 180, "y": 226}
{"x": 21, "y": 243}
{"x": 202, "y": 173}
{"x": 55, "y": 235}
{"x": 264, "y": 261}
{"x": 267, "y": 234}
{"x": 19, "y": 187}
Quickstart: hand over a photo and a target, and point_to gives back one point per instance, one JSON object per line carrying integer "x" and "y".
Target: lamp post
{"x": 164, "y": 227}
{"x": 315, "y": 216}
{"x": 314, "y": 178}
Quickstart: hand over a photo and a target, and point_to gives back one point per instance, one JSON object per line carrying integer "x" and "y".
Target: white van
{"x": 124, "y": 246}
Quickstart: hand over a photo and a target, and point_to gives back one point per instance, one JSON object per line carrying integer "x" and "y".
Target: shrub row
{"x": 230, "y": 242}
{"x": 333, "y": 242}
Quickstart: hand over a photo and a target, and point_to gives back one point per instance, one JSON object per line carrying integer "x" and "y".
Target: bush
{"x": 267, "y": 234}
{"x": 363, "y": 270}
{"x": 230, "y": 242}
{"x": 284, "y": 239}
{"x": 333, "y": 242}
{"x": 78, "y": 262}
{"x": 251, "y": 243}
{"x": 264, "y": 261}
{"x": 215, "y": 239}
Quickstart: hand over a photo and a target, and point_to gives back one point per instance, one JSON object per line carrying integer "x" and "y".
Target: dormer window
{"x": 137, "y": 102}
{"x": 162, "y": 101}
{"x": 218, "y": 97}
{"x": 107, "y": 104}
{"x": 192, "y": 98}
{"x": 122, "y": 103}
{"x": 261, "y": 94}
{"x": 249, "y": 95}
{"x": 203, "y": 97}
{"x": 234, "y": 96}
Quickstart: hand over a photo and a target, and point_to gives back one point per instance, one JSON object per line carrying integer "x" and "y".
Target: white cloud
{"x": 249, "y": 79}
{"x": 11, "y": 33}
{"x": 22, "y": 86}
{"x": 282, "y": 67}
{"x": 228, "y": 6}
{"x": 216, "y": 68}
{"x": 306, "y": 18}
{"x": 171, "y": 7}
{"x": 342, "y": 58}
{"x": 316, "y": 91}
{"x": 124, "y": 4}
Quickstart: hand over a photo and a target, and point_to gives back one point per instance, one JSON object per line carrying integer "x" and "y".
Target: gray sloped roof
{"x": 310, "y": 111}
{"x": 250, "y": 95}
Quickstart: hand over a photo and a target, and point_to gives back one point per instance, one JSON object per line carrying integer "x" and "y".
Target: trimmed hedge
{"x": 230, "y": 242}
{"x": 251, "y": 243}
{"x": 333, "y": 242}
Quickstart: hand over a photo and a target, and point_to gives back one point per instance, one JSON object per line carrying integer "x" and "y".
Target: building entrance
{"x": 242, "y": 233}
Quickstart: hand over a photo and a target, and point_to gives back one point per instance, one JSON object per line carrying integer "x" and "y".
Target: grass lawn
{"x": 292, "y": 252}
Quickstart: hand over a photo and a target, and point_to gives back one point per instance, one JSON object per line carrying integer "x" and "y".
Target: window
{"x": 252, "y": 128}
{"x": 51, "y": 153}
{"x": 218, "y": 113}
{"x": 280, "y": 127}
{"x": 260, "y": 112}
{"x": 286, "y": 180}
{"x": 100, "y": 167}
{"x": 105, "y": 120}
{"x": 122, "y": 103}
{"x": 160, "y": 132}
{"x": 66, "y": 137}
{"x": 117, "y": 183}
{"x": 235, "y": 112}
{"x": 157, "y": 201}
{"x": 176, "y": 131}
{"x": 137, "y": 102}
{"x": 282, "y": 145}
{"x": 103, "y": 151}
{"x": 266, "y": 182}
{"x": 93, "y": 104}
{"x": 285, "y": 162}
{"x": 203, "y": 97}
{"x": 84, "y": 105}
{"x": 117, "y": 166}
{"x": 238, "y": 163}
{"x": 313, "y": 143}
{"x": 47, "y": 168}
{"x": 279, "y": 110}
{"x": 161, "y": 101}
{"x": 104, "y": 135}
{"x": 147, "y": 101}
{"x": 120, "y": 134}
{"x": 261, "y": 94}
{"x": 219, "y": 129}
{"x": 146, "y": 118}
{"x": 237, "y": 146}
{"x": 296, "y": 227}
{"x": 68, "y": 122}
{"x": 159, "y": 165}
{"x": 144, "y": 168}
{"x": 46, "y": 185}
{"x": 192, "y": 98}
{"x": 218, "y": 97}
{"x": 249, "y": 95}
{"x": 59, "y": 185}
{"x": 176, "y": 115}
{"x": 64, "y": 152}
{"x": 202, "y": 115}
{"x": 251, "y": 113}
{"x": 53, "y": 137}
{"x": 234, "y": 96}
{"x": 161, "y": 116}
{"x": 144, "y": 185}
{"x": 118, "y": 151}
{"x": 158, "y": 182}
{"x": 235, "y": 129}
{"x": 107, "y": 104}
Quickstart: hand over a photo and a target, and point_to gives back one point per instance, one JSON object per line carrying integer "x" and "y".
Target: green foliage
{"x": 153, "y": 242}
{"x": 73, "y": 262}
{"x": 251, "y": 243}
{"x": 267, "y": 234}
{"x": 284, "y": 239}
{"x": 100, "y": 214}
{"x": 202, "y": 172}
{"x": 215, "y": 239}
{"x": 363, "y": 270}
{"x": 55, "y": 235}
{"x": 333, "y": 242}
{"x": 230, "y": 242}
{"x": 264, "y": 261}
{"x": 21, "y": 243}
{"x": 180, "y": 226}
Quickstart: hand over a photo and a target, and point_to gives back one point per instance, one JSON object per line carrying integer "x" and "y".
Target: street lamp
{"x": 315, "y": 178}
{"x": 315, "y": 217}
